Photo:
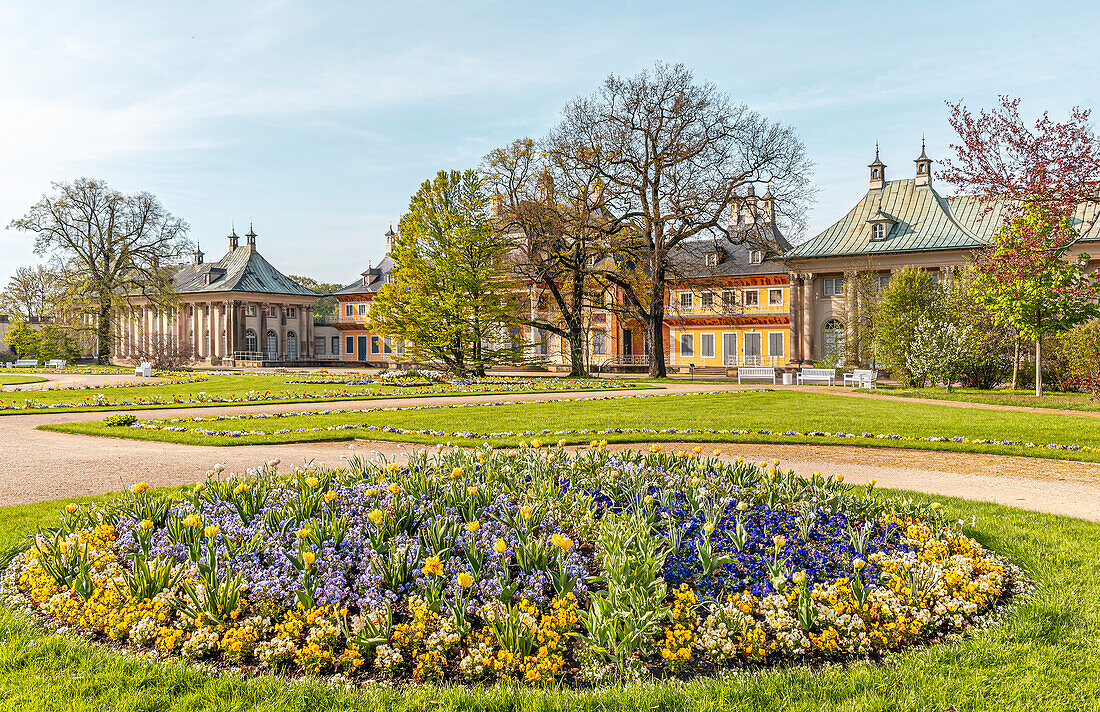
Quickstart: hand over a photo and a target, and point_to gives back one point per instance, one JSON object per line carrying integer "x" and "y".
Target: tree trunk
{"x": 656, "y": 326}
{"x": 576, "y": 350}
{"x": 1038, "y": 367}
{"x": 1016, "y": 362}
{"x": 103, "y": 335}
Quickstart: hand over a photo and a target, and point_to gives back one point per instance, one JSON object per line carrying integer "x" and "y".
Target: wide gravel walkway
{"x": 37, "y": 465}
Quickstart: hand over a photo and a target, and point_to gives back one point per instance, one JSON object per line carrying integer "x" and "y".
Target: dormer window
{"x": 712, "y": 259}
{"x": 878, "y": 231}
{"x": 756, "y": 257}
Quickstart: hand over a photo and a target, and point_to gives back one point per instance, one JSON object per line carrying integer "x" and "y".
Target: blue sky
{"x": 316, "y": 121}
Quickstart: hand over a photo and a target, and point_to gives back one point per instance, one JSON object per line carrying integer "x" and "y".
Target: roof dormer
{"x": 880, "y": 224}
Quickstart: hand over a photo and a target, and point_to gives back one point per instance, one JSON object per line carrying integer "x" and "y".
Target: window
{"x": 756, "y": 257}
{"x": 706, "y": 345}
{"x": 543, "y": 303}
{"x": 883, "y": 282}
{"x": 707, "y": 300}
{"x": 599, "y": 318}
{"x": 362, "y": 310}
{"x": 712, "y": 259}
{"x": 400, "y": 347}
{"x": 387, "y": 345}
{"x": 250, "y": 310}
{"x": 775, "y": 343}
{"x": 834, "y": 342}
{"x": 834, "y": 286}
{"x": 319, "y": 345}
{"x": 599, "y": 345}
{"x": 190, "y": 311}
{"x": 336, "y": 345}
{"x": 291, "y": 313}
{"x": 729, "y": 298}
{"x": 273, "y": 312}
{"x": 543, "y": 342}
{"x": 291, "y": 345}
{"x": 752, "y": 297}
{"x": 347, "y": 310}
{"x": 375, "y": 344}
{"x": 685, "y": 301}
{"x": 687, "y": 344}
{"x": 775, "y": 296}
{"x": 206, "y": 310}
{"x": 878, "y": 231}
{"x": 349, "y": 344}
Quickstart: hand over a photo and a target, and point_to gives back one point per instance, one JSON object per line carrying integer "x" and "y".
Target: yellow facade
{"x": 743, "y": 325}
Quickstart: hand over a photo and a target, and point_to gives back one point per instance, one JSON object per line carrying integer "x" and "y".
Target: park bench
{"x": 819, "y": 375}
{"x": 56, "y": 363}
{"x": 755, "y": 372}
{"x": 27, "y": 363}
{"x": 861, "y": 378}
{"x": 145, "y": 369}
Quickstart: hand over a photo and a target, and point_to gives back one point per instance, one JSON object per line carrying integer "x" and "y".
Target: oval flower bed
{"x": 539, "y": 565}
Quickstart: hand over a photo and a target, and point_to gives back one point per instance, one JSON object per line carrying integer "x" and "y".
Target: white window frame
{"x": 689, "y": 298}
{"x": 599, "y": 342}
{"x": 703, "y": 338}
{"x": 375, "y": 344}
{"x": 755, "y": 301}
{"x": 336, "y": 345}
{"x": 772, "y": 301}
{"x": 756, "y": 257}
{"x": 878, "y": 232}
{"x": 703, "y": 299}
{"x": 687, "y": 340}
{"x": 729, "y": 298}
{"x": 349, "y": 344}
{"x": 711, "y": 259}
{"x": 782, "y": 343}
{"x": 833, "y": 287}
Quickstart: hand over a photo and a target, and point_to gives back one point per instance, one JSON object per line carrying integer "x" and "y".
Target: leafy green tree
{"x": 55, "y": 342}
{"x": 23, "y": 340}
{"x": 451, "y": 298}
{"x": 909, "y": 296}
{"x": 325, "y": 306}
{"x": 939, "y": 351}
{"x": 1027, "y": 281}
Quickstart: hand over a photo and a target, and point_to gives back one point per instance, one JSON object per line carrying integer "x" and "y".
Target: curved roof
{"x": 241, "y": 270}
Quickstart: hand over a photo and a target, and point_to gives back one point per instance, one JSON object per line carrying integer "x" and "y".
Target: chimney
{"x": 251, "y": 237}
{"x": 924, "y": 167}
{"x": 878, "y": 171}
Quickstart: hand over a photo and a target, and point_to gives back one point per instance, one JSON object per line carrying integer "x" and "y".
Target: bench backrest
{"x": 818, "y": 372}
{"x": 27, "y": 362}
{"x": 863, "y": 373}
{"x": 756, "y": 371}
{"x": 56, "y": 363}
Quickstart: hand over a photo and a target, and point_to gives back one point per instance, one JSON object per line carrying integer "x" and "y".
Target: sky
{"x": 315, "y": 121}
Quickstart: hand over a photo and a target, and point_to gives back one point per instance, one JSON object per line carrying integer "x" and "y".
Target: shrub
{"x": 121, "y": 420}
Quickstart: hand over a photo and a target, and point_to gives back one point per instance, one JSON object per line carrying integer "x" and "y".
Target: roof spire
{"x": 878, "y": 171}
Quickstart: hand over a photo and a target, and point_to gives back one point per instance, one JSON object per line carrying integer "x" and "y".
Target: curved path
{"x": 37, "y": 465}
{"x": 62, "y": 380}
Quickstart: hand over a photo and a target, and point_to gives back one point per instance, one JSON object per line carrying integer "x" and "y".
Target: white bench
{"x": 145, "y": 369}
{"x": 755, "y": 372}
{"x": 820, "y": 375}
{"x": 861, "y": 378}
{"x": 27, "y": 363}
{"x": 57, "y": 363}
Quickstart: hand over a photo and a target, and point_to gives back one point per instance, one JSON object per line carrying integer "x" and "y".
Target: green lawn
{"x": 1041, "y": 655}
{"x": 230, "y": 388}
{"x": 775, "y": 410}
{"x": 15, "y": 379}
{"x": 1000, "y": 396}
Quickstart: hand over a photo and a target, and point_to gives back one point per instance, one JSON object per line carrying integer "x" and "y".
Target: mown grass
{"x": 16, "y": 379}
{"x": 778, "y": 411}
{"x": 227, "y": 386}
{"x": 1018, "y": 397}
{"x": 1040, "y": 655}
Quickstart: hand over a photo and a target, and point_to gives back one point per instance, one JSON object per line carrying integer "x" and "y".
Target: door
{"x": 752, "y": 349}
{"x": 272, "y": 346}
{"x": 291, "y": 346}
{"x": 729, "y": 349}
{"x": 361, "y": 347}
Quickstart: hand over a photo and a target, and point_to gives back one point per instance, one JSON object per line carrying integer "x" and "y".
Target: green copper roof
{"x": 240, "y": 270}
{"x": 924, "y": 220}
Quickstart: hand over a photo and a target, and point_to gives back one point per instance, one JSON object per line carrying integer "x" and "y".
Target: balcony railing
{"x": 760, "y": 309}
{"x": 729, "y": 361}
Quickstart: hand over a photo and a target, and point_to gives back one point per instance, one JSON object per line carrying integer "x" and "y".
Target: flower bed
{"x": 541, "y": 566}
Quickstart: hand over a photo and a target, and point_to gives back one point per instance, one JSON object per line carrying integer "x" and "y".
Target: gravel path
{"x": 39, "y": 465}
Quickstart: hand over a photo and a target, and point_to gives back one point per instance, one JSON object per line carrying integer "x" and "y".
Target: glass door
{"x": 729, "y": 349}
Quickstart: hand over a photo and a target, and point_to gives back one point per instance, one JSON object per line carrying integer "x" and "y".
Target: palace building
{"x": 896, "y": 224}
{"x": 352, "y": 339}
{"x": 239, "y": 310}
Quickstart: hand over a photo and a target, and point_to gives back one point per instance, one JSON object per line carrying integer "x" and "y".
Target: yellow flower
{"x": 858, "y": 564}
{"x": 303, "y": 532}
{"x": 330, "y": 496}
{"x": 780, "y": 541}
{"x": 192, "y": 520}
{"x": 71, "y": 507}
{"x": 211, "y": 531}
{"x": 473, "y": 526}
{"x": 840, "y": 477}
{"x": 536, "y": 443}
{"x": 457, "y": 472}
{"x": 500, "y": 547}
{"x": 697, "y": 449}
{"x": 375, "y": 516}
{"x": 465, "y": 580}
{"x": 200, "y": 487}
{"x": 776, "y": 462}
{"x": 742, "y": 506}
{"x": 242, "y": 487}
{"x": 394, "y": 488}
{"x": 562, "y": 542}
{"x": 471, "y": 491}
{"x": 799, "y": 577}
{"x": 654, "y": 448}
{"x": 391, "y": 467}
{"x": 871, "y": 482}
{"x": 708, "y": 528}
{"x": 308, "y": 557}
{"x": 525, "y": 511}
{"x": 146, "y": 524}
{"x": 139, "y": 487}
{"x": 312, "y": 482}
{"x": 433, "y": 566}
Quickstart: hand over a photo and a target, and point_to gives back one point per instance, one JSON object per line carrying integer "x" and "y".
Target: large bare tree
{"x": 673, "y": 155}
{"x": 555, "y": 214}
{"x": 117, "y": 247}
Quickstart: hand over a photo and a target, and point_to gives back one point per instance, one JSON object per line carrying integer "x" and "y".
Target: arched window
{"x": 272, "y": 346}
{"x": 207, "y": 339}
{"x": 250, "y": 344}
{"x": 878, "y": 231}
{"x": 291, "y": 346}
{"x": 834, "y": 342}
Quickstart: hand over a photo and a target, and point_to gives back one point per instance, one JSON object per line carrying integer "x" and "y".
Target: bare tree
{"x": 163, "y": 351}
{"x": 31, "y": 291}
{"x": 555, "y": 215}
{"x": 116, "y": 246}
{"x": 672, "y": 155}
